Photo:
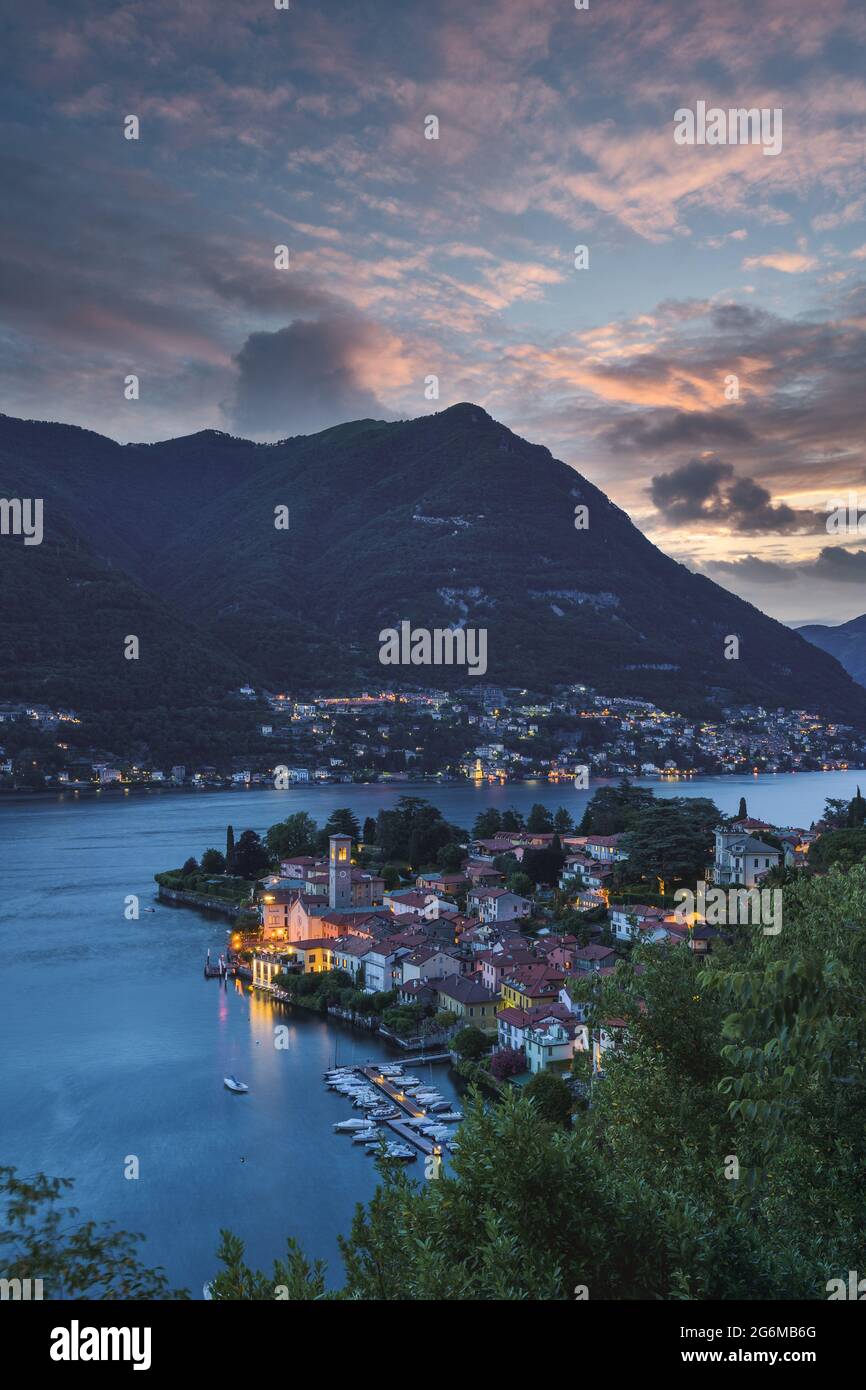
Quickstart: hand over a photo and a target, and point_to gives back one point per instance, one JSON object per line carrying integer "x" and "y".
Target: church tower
{"x": 340, "y": 871}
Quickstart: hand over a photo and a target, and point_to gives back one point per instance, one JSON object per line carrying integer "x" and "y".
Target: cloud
{"x": 305, "y": 377}
{"x": 833, "y": 564}
{"x": 708, "y": 491}
{"x": 691, "y": 429}
{"x": 788, "y": 262}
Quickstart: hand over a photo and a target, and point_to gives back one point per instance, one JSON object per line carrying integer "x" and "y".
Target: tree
{"x": 414, "y": 831}
{"x": 857, "y": 810}
{"x": 837, "y": 813}
{"x": 842, "y": 847}
{"x": 671, "y": 839}
{"x": 88, "y": 1261}
{"x": 251, "y": 857}
{"x": 230, "y": 850}
{"x": 611, "y": 810}
{"x": 542, "y": 865}
{"x": 551, "y": 1097}
{"x": 540, "y": 820}
{"x": 507, "y": 1061}
{"x": 521, "y": 883}
{"x": 296, "y": 1278}
{"x": 512, "y": 820}
{"x": 742, "y": 813}
{"x": 296, "y": 835}
{"x": 486, "y": 824}
{"x": 470, "y": 1044}
{"x": 369, "y": 832}
{"x": 212, "y": 862}
{"x": 563, "y": 823}
{"x": 343, "y": 821}
{"x": 450, "y": 857}
{"x": 190, "y": 867}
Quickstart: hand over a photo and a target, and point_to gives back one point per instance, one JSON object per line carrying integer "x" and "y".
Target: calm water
{"x": 114, "y": 1044}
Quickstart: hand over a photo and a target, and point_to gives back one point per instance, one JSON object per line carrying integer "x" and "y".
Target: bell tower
{"x": 340, "y": 871}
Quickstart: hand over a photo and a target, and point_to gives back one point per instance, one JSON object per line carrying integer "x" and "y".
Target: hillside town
{"x": 501, "y": 956}
{"x": 481, "y": 734}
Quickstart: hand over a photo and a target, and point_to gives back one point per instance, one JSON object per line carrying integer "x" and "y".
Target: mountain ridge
{"x": 446, "y": 519}
{"x": 846, "y": 642}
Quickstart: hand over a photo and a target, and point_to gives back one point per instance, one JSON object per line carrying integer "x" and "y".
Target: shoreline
{"x": 116, "y": 793}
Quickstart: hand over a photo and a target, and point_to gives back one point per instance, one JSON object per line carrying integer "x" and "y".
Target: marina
{"x": 415, "y": 1114}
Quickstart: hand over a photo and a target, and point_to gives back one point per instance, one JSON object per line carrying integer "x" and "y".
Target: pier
{"x": 391, "y": 1090}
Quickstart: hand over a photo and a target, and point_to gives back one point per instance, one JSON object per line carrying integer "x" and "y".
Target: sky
{"x": 412, "y": 257}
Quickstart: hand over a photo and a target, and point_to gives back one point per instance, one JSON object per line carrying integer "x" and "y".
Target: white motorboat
{"x": 346, "y": 1126}
{"x": 231, "y": 1083}
{"x": 401, "y": 1151}
{"x": 365, "y": 1136}
{"x": 449, "y": 1117}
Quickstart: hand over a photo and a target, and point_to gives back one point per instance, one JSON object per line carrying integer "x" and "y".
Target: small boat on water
{"x": 401, "y": 1151}
{"x": 365, "y": 1136}
{"x": 231, "y": 1083}
{"x": 449, "y": 1117}
{"x": 346, "y": 1126}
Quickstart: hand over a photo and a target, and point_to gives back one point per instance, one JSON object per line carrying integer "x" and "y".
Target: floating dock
{"x": 391, "y": 1090}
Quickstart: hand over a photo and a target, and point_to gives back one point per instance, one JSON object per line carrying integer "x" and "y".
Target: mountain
{"x": 847, "y": 643}
{"x": 445, "y": 519}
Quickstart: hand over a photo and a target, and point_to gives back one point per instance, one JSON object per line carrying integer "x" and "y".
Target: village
{"x": 390, "y": 736}
{"x": 482, "y": 958}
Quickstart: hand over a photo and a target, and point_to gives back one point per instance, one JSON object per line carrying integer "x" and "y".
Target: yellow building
{"x": 471, "y": 1003}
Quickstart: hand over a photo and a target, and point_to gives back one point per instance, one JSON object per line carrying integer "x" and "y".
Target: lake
{"x": 114, "y": 1044}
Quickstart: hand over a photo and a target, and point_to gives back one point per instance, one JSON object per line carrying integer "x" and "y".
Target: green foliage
{"x": 671, "y": 839}
{"x": 414, "y": 831}
{"x": 404, "y": 1019}
{"x": 542, "y": 865}
{"x": 40, "y": 1240}
{"x": 470, "y": 1044}
{"x": 295, "y": 1279}
{"x": 521, "y": 883}
{"x": 540, "y": 820}
{"x": 251, "y": 858}
{"x": 296, "y": 835}
{"x": 212, "y": 862}
{"x": 450, "y": 857}
{"x": 611, "y": 810}
{"x": 551, "y": 1097}
{"x": 487, "y": 823}
{"x": 842, "y": 847}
